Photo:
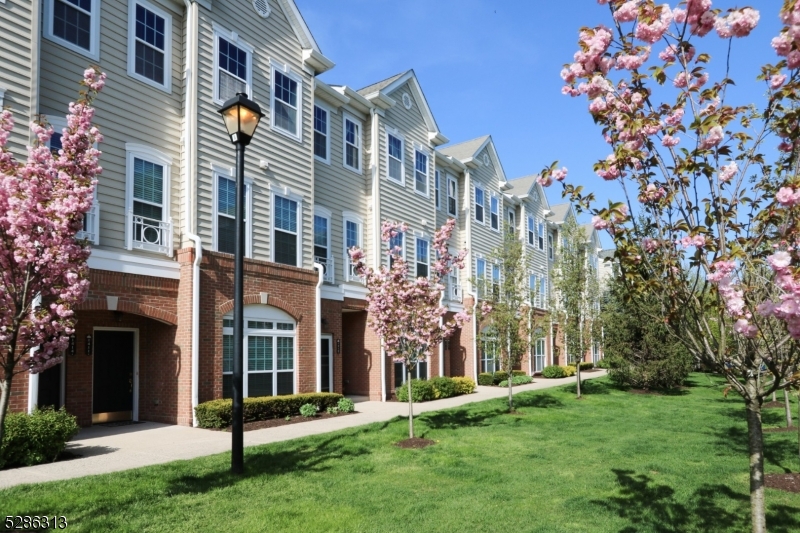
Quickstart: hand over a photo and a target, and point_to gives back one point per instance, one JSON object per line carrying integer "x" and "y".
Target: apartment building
{"x": 327, "y": 164}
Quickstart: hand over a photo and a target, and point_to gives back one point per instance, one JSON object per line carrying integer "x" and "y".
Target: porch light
{"x": 241, "y": 116}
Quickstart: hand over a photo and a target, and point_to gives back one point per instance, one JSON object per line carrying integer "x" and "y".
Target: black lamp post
{"x": 241, "y": 118}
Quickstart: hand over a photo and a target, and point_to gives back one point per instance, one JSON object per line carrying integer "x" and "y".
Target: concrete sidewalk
{"x": 111, "y": 449}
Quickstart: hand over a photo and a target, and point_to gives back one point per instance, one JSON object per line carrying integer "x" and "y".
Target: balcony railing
{"x": 149, "y": 234}
{"x": 91, "y": 225}
{"x": 350, "y": 271}
{"x": 328, "y": 273}
{"x": 454, "y": 293}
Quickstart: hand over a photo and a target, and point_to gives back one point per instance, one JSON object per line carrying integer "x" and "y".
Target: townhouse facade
{"x": 327, "y": 164}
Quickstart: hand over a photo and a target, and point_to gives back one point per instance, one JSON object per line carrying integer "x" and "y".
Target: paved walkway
{"x": 111, "y": 449}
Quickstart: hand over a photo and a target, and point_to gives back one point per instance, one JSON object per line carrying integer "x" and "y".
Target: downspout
{"x": 441, "y": 344}
{"x": 376, "y": 222}
{"x": 190, "y": 153}
{"x": 33, "y": 379}
{"x": 474, "y": 333}
{"x": 318, "y": 323}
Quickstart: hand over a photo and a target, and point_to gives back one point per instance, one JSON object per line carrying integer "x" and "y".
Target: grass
{"x": 613, "y": 462}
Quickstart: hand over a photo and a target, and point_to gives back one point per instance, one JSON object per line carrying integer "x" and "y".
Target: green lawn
{"x": 613, "y": 462}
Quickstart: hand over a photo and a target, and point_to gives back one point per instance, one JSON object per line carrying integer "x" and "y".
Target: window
{"x": 232, "y": 65}
{"x": 149, "y": 226}
{"x": 149, "y": 44}
{"x": 352, "y": 237}
{"x": 321, "y": 136}
{"x": 436, "y": 189}
{"x": 543, "y": 292}
{"x": 352, "y": 144}
{"x": 322, "y": 242}
{"x": 396, "y": 241}
{"x": 496, "y": 281}
{"x": 225, "y": 217}
{"x": 455, "y": 286}
{"x": 495, "y": 212}
{"x": 286, "y": 231}
{"x": 423, "y": 258}
{"x": 420, "y": 372}
{"x": 479, "y": 202}
{"x": 287, "y": 92}
{"x": 394, "y": 149}
{"x": 541, "y": 235}
{"x": 269, "y": 353}
{"x": 421, "y": 172}
{"x": 489, "y": 353}
{"x": 512, "y": 224}
{"x": 531, "y": 232}
{"x": 74, "y": 24}
{"x": 533, "y": 287}
{"x": 538, "y": 357}
{"x": 452, "y": 194}
{"x": 550, "y": 251}
{"x": 480, "y": 276}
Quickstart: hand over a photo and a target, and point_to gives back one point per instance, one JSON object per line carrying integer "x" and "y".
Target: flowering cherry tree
{"x": 718, "y": 240}
{"x": 407, "y": 313}
{"x": 43, "y": 272}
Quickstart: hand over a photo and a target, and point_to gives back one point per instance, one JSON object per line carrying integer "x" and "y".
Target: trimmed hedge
{"x": 517, "y": 380}
{"x": 554, "y": 372}
{"x": 36, "y": 438}
{"x": 443, "y": 387}
{"x": 421, "y": 391}
{"x": 218, "y": 413}
{"x": 487, "y": 378}
{"x": 587, "y": 366}
{"x": 569, "y": 370}
{"x": 464, "y": 385}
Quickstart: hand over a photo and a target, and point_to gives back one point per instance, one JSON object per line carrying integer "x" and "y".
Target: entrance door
{"x": 50, "y": 387}
{"x": 112, "y": 383}
{"x": 326, "y": 365}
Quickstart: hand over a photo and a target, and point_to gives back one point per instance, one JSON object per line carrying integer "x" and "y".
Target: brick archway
{"x": 250, "y": 299}
{"x": 101, "y": 304}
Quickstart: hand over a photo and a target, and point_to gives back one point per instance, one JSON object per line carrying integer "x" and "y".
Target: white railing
{"x": 328, "y": 274}
{"x": 455, "y": 292}
{"x": 149, "y": 234}
{"x": 91, "y": 225}
{"x": 350, "y": 272}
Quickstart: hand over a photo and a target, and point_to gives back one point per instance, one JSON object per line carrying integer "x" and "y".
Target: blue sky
{"x": 491, "y": 67}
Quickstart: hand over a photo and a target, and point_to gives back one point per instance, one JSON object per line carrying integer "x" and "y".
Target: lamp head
{"x": 241, "y": 116}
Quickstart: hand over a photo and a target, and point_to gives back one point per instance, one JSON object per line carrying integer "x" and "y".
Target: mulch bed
{"x": 787, "y": 482}
{"x": 415, "y": 443}
{"x": 779, "y": 430}
{"x": 774, "y": 404}
{"x": 276, "y": 422}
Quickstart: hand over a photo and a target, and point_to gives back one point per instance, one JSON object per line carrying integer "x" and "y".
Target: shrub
{"x": 569, "y": 370}
{"x": 308, "y": 410}
{"x": 444, "y": 387}
{"x": 36, "y": 438}
{"x": 554, "y": 372}
{"x": 587, "y": 366}
{"x": 346, "y": 405}
{"x": 517, "y": 380}
{"x": 218, "y": 413}
{"x": 500, "y": 375}
{"x": 652, "y": 374}
{"x": 333, "y": 410}
{"x": 485, "y": 378}
{"x": 602, "y": 363}
{"x": 518, "y": 373}
{"x": 421, "y": 390}
{"x": 464, "y": 385}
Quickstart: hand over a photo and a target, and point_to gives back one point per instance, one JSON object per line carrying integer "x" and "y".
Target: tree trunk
{"x": 410, "y": 405}
{"x": 788, "y": 407}
{"x": 578, "y": 376}
{"x": 510, "y": 397}
{"x": 774, "y": 398}
{"x": 756, "y": 447}
{"x": 5, "y": 396}
{"x": 798, "y": 426}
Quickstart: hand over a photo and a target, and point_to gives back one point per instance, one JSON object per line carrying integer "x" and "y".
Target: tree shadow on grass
{"x": 538, "y": 401}
{"x": 778, "y": 452}
{"x": 712, "y": 508}
{"x": 459, "y": 418}
{"x": 592, "y": 387}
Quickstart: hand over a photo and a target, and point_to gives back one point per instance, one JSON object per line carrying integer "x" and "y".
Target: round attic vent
{"x": 261, "y": 7}
{"x": 407, "y": 100}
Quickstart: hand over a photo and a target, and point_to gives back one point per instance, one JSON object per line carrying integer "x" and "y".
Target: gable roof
{"x": 589, "y": 231}
{"x": 381, "y": 90}
{"x": 465, "y": 150}
{"x": 524, "y": 185}
{"x": 312, "y": 54}
{"x": 560, "y": 211}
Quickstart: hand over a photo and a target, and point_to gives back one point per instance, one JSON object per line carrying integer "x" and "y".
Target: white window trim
{"x": 295, "y": 198}
{"x": 416, "y": 259}
{"x": 531, "y": 232}
{"x": 232, "y": 37}
{"x": 394, "y": 133}
{"x": 360, "y": 139}
{"x": 541, "y": 232}
{"x": 427, "y": 193}
{"x": 478, "y": 278}
{"x": 94, "y": 42}
{"x": 151, "y": 155}
{"x": 327, "y": 110}
{"x": 499, "y": 218}
{"x": 453, "y": 180}
{"x": 167, "y": 86}
{"x": 349, "y": 216}
{"x": 482, "y": 204}
{"x": 402, "y": 249}
{"x": 437, "y": 188}
{"x": 289, "y": 73}
{"x": 228, "y": 173}
{"x": 325, "y": 213}
{"x": 511, "y": 214}
{"x": 551, "y": 252}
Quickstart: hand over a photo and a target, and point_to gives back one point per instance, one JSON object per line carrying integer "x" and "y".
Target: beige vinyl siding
{"x": 402, "y": 202}
{"x": 458, "y": 236}
{"x": 128, "y": 111}
{"x": 485, "y": 239}
{"x": 16, "y": 68}
{"x": 536, "y": 260}
{"x": 339, "y": 189}
{"x": 290, "y": 161}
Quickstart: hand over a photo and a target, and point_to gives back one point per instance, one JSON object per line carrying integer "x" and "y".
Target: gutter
{"x": 376, "y": 221}
{"x": 189, "y": 154}
{"x": 474, "y": 334}
{"x": 318, "y": 323}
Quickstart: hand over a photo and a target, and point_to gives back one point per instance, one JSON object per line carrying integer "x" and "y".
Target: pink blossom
{"x": 713, "y": 138}
{"x": 743, "y": 327}
{"x": 599, "y": 224}
{"x": 675, "y": 118}
{"x": 793, "y": 59}
{"x": 627, "y": 12}
{"x": 679, "y": 15}
{"x": 779, "y": 260}
{"x": 777, "y": 80}
{"x": 668, "y": 54}
{"x": 598, "y": 105}
{"x": 787, "y": 196}
{"x": 650, "y": 245}
{"x": 559, "y": 174}
{"x": 738, "y": 23}
{"x": 651, "y": 32}
{"x": 681, "y": 80}
{"x": 670, "y": 141}
{"x": 700, "y": 81}
{"x": 782, "y": 44}
{"x": 652, "y": 194}
{"x": 727, "y": 172}
{"x": 632, "y": 62}
{"x": 544, "y": 181}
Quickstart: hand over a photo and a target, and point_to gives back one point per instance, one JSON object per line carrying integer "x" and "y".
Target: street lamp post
{"x": 241, "y": 118}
